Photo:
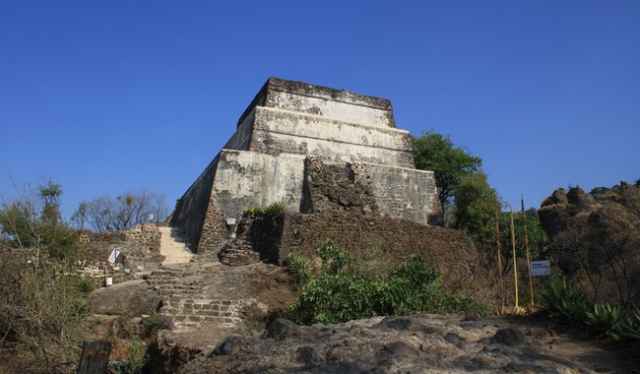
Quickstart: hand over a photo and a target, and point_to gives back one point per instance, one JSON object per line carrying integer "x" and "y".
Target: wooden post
{"x": 515, "y": 263}
{"x": 526, "y": 248}
{"x": 94, "y": 358}
{"x": 499, "y": 257}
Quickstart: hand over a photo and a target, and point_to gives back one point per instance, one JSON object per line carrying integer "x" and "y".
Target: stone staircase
{"x": 172, "y": 247}
{"x": 185, "y": 298}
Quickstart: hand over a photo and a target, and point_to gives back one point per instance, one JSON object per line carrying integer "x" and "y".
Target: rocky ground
{"x": 416, "y": 344}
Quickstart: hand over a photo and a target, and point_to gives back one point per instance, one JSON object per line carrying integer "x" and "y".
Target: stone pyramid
{"x": 287, "y": 123}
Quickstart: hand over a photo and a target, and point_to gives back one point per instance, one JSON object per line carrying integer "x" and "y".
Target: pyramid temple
{"x": 289, "y": 129}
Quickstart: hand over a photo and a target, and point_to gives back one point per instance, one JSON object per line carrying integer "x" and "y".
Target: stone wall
{"x": 386, "y": 242}
{"x": 241, "y": 138}
{"x": 407, "y": 194}
{"x": 192, "y": 208}
{"x": 188, "y": 306}
{"x": 336, "y": 187}
{"x": 146, "y": 237}
{"x": 379, "y": 242}
{"x": 249, "y": 180}
{"x": 245, "y": 180}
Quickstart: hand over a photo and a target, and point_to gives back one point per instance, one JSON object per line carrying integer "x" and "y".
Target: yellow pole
{"x": 515, "y": 263}
{"x": 499, "y": 250}
{"x": 526, "y": 248}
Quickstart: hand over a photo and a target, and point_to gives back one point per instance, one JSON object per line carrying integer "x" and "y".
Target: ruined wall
{"x": 408, "y": 194}
{"x": 276, "y": 131}
{"x": 396, "y": 192}
{"x": 335, "y": 187}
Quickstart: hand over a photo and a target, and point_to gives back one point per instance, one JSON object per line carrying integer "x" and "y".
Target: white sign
{"x": 540, "y": 268}
{"x": 113, "y": 257}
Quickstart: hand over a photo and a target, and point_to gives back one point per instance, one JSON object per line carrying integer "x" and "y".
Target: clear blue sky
{"x": 106, "y": 97}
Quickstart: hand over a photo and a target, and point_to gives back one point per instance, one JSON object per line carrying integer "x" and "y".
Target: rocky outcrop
{"x": 132, "y": 298}
{"x": 416, "y": 344}
{"x": 595, "y": 238}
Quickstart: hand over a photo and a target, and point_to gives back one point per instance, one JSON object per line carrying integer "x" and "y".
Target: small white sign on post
{"x": 540, "y": 268}
{"x": 113, "y": 257}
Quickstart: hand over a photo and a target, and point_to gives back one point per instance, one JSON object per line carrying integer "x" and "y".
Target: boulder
{"x": 132, "y": 298}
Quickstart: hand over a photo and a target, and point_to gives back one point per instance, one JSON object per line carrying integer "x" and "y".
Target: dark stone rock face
{"x": 281, "y": 328}
{"x": 415, "y": 344}
{"x": 509, "y": 336}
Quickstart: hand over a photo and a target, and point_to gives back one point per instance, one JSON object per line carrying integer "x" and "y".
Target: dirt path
{"x": 172, "y": 248}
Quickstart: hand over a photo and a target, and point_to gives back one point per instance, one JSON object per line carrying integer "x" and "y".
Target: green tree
{"x": 50, "y": 195}
{"x": 476, "y": 203}
{"x": 450, "y": 163}
{"x": 36, "y": 223}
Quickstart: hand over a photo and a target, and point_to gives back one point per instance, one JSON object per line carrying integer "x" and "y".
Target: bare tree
{"x": 80, "y": 216}
{"x": 122, "y": 212}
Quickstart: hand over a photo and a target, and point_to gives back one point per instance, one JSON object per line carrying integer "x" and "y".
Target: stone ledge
{"x": 315, "y": 117}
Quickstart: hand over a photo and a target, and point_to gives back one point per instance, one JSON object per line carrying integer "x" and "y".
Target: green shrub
{"x": 85, "y": 286}
{"x": 628, "y": 327}
{"x": 300, "y": 268}
{"x": 339, "y": 294}
{"x": 274, "y": 209}
{"x": 333, "y": 258}
{"x": 565, "y": 301}
{"x": 604, "y": 318}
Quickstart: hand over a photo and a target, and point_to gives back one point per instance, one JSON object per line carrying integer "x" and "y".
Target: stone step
{"x": 173, "y": 248}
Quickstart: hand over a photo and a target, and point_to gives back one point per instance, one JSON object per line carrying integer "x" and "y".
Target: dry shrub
{"x": 41, "y": 307}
